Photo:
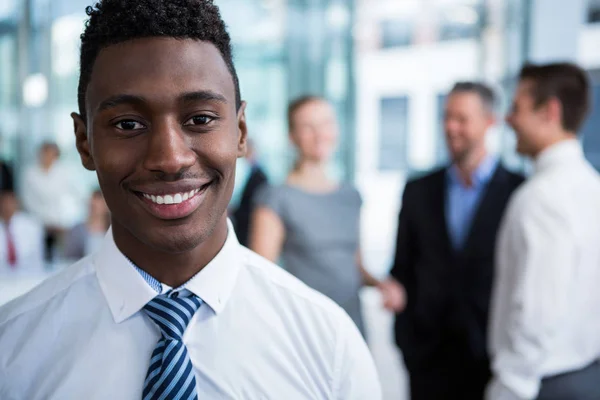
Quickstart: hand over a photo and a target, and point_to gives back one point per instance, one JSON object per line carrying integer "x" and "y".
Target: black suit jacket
{"x": 448, "y": 291}
{"x": 6, "y": 177}
{"x": 241, "y": 216}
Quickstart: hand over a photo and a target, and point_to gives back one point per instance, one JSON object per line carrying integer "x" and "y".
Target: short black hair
{"x": 565, "y": 81}
{"x": 115, "y": 21}
{"x": 485, "y": 92}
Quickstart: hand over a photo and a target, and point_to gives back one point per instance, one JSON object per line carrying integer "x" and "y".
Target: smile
{"x": 175, "y": 205}
{"x": 175, "y": 198}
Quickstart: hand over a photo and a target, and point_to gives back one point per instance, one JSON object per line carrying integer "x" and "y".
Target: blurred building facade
{"x": 385, "y": 64}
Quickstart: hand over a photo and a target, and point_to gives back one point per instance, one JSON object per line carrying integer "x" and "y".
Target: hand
{"x": 393, "y": 294}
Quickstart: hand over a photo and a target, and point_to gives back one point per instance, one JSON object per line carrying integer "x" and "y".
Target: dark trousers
{"x": 449, "y": 375}
{"x": 50, "y": 240}
{"x": 583, "y": 384}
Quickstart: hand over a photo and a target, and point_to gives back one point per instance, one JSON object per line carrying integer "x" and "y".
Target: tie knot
{"x": 172, "y": 314}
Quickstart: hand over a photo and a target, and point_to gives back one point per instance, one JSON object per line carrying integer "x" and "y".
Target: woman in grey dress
{"x": 311, "y": 223}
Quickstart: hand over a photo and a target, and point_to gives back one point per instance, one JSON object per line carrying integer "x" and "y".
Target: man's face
{"x": 527, "y": 121}
{"x": 466, "y": 121}
{"x": 48, "y": 155}
{"x": 163, "y": 135}
{"x": 9, "y": 205}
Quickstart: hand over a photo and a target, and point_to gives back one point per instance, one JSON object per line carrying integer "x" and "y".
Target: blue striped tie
{"x": 171, "y": 375}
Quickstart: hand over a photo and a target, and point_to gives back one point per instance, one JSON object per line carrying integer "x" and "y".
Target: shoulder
{"x": 276, "y": 279}
{"x": 315, "y": 322}
{"x": 427, "y": 179}
{"x": 49, "y": 291}
{"x": 349, "y": 191}
{"x": 514, "y": 179}
{"x": 418, "y": 186}
{"x": 26, "y": 220}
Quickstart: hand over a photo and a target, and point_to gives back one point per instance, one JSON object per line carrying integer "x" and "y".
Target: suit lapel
{"x": 440, "y": 197}
{"x": 486, "y": 207}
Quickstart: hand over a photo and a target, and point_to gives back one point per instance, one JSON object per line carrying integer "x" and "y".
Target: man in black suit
{"x": 445, "y": 254}
{"x": 257, "y": 177}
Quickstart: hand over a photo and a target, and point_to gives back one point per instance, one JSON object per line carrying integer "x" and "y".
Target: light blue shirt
{"x": 462, "y": 201}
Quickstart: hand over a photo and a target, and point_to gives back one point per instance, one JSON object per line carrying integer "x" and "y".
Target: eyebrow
{"x": 202, "y": 95}
{"x": 120, "y": 99}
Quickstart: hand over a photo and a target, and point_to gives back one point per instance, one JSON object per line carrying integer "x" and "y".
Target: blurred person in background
{"x": 21, "y": 238}
{"x": 172, "y": 306}
{"x": 445, "y": 255}
{"x": 85, "y": 238}
{"x": 6, "y": 173}
{"x": 545, "y": 319}
{"x": 256, "y": 179}
{"x": 311, "y": 221}
{"x": 49, "y": 194}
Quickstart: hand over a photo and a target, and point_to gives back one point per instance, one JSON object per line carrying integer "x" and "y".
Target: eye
{"x": 199, "y": 120}
{"x": 129, "y": 125}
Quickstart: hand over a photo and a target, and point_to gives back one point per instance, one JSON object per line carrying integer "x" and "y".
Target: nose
{"x": 168, "y": 151}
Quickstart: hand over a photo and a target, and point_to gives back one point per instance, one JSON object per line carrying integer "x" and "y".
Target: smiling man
{"x": 171, "y": 306}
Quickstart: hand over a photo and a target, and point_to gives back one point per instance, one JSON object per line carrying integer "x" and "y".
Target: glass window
{"x": 393, "y": 133}
{"x": 459, "y": 22}
{"x": 593, "y": 12}
{"x": 441, "y": 151}
{"x": 396, "y": 33}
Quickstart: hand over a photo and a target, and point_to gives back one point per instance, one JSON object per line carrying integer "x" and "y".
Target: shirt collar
{"x": 565, "y": 150}
{"x": 482, "y": 174}
{"x": 126, "y": 291}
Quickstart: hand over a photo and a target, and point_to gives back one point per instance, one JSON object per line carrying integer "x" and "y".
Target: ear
{"x": 242, "y": 130}
{"x": 491, "y": 119}
{"x": 82, "y": 142}
{"x": 554, "y": 110}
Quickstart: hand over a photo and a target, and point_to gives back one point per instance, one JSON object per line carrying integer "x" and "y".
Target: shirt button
{"x": 175, "y": 295}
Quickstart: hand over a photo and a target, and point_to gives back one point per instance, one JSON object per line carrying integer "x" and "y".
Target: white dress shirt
{"x": 28, "y": 239}
{"x": 51, "y": 196}
{"x": 260, "y": 334}
{"x": 546, "y": 302}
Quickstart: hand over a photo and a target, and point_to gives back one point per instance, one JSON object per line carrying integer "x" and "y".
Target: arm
{"x": 267, "y": 233}
{"x": 354, "y": 376}
{"x": 367, "y": 278}
{"x": 394, "y": 289}
{"x": 542, "y": 251}
{"x": 29, "y": 193}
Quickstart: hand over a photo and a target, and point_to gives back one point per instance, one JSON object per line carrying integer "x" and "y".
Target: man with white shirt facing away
{"x": 545, "y": 325}
{"x": 172, "y": 306}
{"x": 50, "y": 195}
{"x": 21, "y": 239}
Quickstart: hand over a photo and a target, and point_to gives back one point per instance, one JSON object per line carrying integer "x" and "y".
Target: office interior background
{"x": 386, "y": 65}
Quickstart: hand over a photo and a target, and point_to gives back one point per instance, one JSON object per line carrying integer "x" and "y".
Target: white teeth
{"x": 175, "y": 198}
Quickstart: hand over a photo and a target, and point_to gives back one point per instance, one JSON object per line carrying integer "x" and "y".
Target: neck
{"x": 173, "y": 269}
{"x": 555, "y": 139}
{"x": 311, "y": 168}
{"x": 468, "y": 164}
{"x": 312, "y": 176}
